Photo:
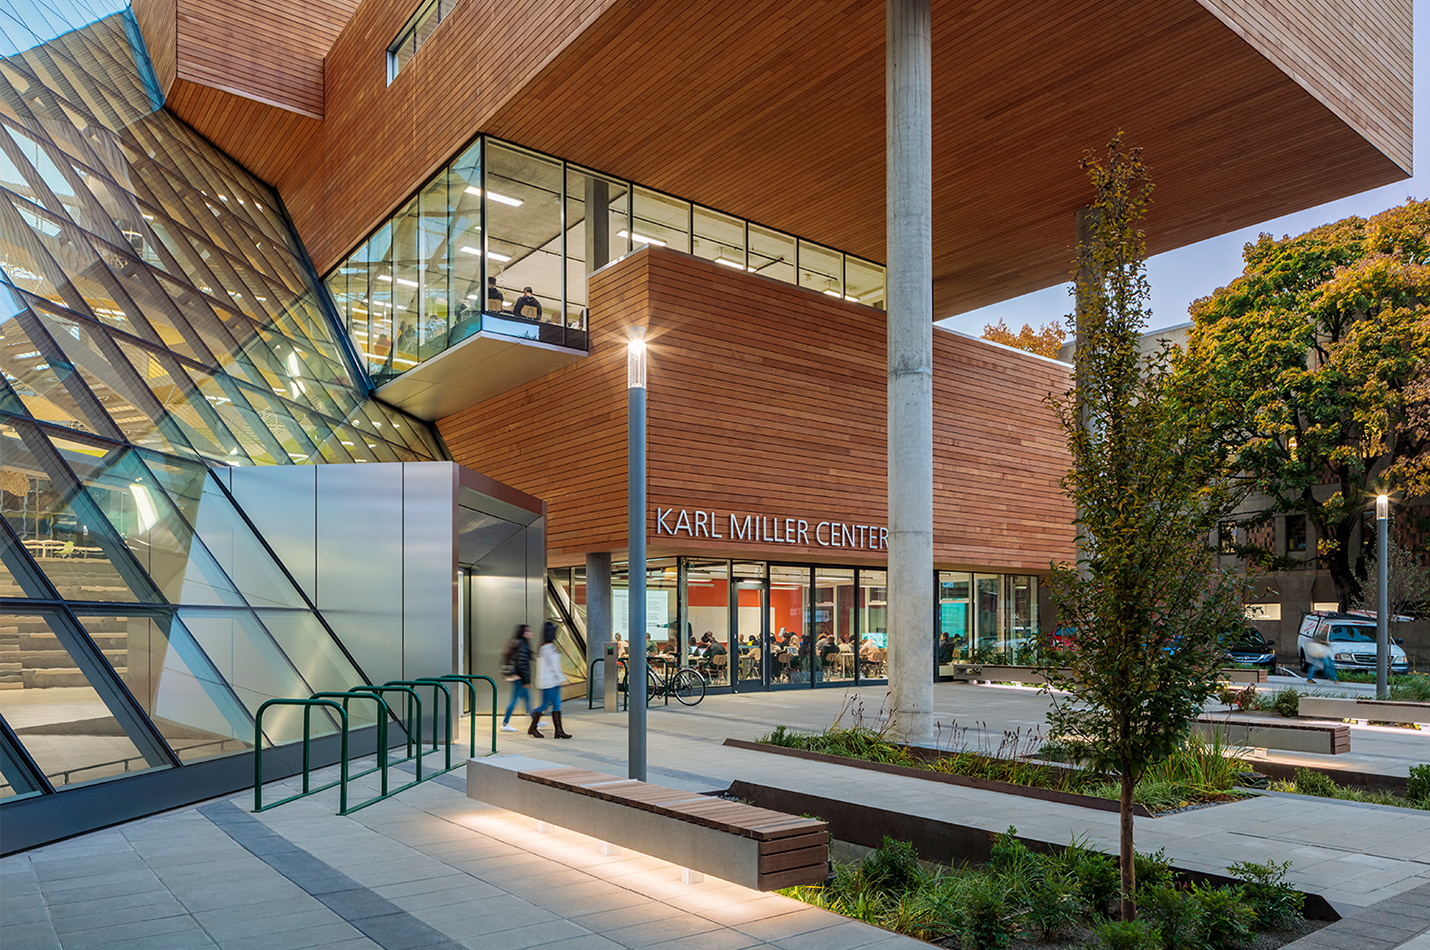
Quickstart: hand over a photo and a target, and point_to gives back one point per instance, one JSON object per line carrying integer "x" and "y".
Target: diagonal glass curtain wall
{"x": 158, "y": 319}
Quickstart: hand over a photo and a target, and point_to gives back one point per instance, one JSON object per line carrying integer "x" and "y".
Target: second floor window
{"x": 415, "y": 33}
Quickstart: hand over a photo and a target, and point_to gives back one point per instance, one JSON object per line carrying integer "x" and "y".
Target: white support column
{"x": 908, "y": 106}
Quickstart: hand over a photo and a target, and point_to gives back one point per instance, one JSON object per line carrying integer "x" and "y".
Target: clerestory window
{"x": 418, "y": 29}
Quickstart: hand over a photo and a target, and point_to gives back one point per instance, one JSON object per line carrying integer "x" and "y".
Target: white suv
{"x": 1352, "y": 638}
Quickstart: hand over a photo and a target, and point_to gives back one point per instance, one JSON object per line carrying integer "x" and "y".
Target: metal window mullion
{"x": 15, "y": 761}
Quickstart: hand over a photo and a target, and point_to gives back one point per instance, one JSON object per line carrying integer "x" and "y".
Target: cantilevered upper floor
{"x": 773, "y": 110}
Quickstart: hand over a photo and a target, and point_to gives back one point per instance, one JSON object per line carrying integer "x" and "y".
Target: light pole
{"x": 1382, "y": 606}
{"x": 636, "y": 518}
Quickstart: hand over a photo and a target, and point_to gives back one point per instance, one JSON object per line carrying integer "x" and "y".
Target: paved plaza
{"x": 431, "y": 868}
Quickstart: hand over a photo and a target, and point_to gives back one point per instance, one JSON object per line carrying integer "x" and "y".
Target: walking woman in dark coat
{"x": 516, "y": 664}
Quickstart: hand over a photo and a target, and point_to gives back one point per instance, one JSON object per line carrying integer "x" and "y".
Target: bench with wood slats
{"x": 753, "y": 846}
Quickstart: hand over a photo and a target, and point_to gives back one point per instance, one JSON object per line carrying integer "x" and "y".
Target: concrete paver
{"x": 433, "y": 866}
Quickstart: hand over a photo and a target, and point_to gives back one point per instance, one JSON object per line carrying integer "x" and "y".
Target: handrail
{"x": 447, "y": 693}
{"x": 591, "y": 681}
{"x": 307, "y": 705}
{"x": 413, "y": 728}
{"x": 469, "y": 679}
{"x": 383, "y": 712}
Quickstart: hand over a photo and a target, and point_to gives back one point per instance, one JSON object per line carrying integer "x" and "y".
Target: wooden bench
{"x": 1325, "y": 738}
{"x": 1375, "y": 710}
{"x": 1028, "y": 675}
{"x": 756, "y": 847}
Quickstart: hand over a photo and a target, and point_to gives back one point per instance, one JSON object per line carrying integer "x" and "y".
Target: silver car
{"x": 1351, "y": 638}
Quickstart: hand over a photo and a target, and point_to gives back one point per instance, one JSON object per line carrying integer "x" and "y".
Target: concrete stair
{"x": 31, "y": 657}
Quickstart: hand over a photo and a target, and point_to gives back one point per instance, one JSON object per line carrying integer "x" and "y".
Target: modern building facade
{"x": 284, "y": 278}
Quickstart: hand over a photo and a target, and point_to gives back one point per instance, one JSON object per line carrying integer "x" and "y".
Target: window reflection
{"x": 523, "y": 213}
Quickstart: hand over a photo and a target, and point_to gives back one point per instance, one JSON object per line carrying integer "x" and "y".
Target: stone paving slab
{"x": 432, "y": 865}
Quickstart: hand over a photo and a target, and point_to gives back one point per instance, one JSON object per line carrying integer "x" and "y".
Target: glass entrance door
{"x": 749, "y": 610}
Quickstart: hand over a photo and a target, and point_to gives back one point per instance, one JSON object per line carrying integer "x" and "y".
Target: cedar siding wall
{"x": 766, "y": 399}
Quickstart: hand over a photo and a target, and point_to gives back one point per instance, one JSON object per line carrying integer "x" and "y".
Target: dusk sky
{"x": 1179, "y": 277}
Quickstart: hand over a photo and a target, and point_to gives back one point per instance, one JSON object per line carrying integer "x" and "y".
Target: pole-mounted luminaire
{"x": 636, "y": 518}
{"x": 1382, "y": 606}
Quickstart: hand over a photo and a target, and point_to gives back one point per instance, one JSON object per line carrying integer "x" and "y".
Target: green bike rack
{"x": 469, "y": 679}
{"x": 383, "y": 712}
{"x": 413, "y": 728}
{"x": 308, "y": 706}
{"x": 436, "y": 685}
{"x": 591, "y": 683}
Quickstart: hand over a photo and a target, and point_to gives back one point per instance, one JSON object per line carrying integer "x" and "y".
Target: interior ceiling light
{"x": 641, "y": 238}
{"x": 407, "y": 283}
{"x": 504, "y": 199}
{"x": 386, "y": 277}
{"x": 735, "y": 264}
{"x": 500, "y": 258}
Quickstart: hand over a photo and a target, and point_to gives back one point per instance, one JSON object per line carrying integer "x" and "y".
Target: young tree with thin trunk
{"x": 1150, "y": 613}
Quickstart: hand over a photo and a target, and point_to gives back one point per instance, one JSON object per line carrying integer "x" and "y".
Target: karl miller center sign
{"x": 696, "y": 523}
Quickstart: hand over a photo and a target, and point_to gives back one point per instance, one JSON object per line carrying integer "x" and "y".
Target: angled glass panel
{"x": 434, "y": 250}
{"x": 225, "y": 533}
{"x": 56, "y": 712}
{"x": 161, "y": 541}
{"x": 177, "y": 395}
{"x": 175, "y": 683}
{"x": 41, "y": 376}
{"x": 52, "y": 522}
{"x": 117, "y": 389}
{"x": 19, "y": 778}
{"x": 257, "y": 670}
{"x": 317, "y": 657}
{"x": 468, "y": 290}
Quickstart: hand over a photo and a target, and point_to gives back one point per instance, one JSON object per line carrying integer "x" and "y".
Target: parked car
{"x": 1252, "y": 649}
{"x": 1352, "y": 639}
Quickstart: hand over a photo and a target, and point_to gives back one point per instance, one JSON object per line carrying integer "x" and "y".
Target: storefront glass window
{"x": 955, "y": 622}
{"x": 834, "y": 624}
{"x": 1021, "y": 600}
{"x": 707, "y": 599}
{"x": 987, "y": 613}
{"x": 751, "y": 612}
{"x": 789, "y": 625}
{"x": 873, "y": 625}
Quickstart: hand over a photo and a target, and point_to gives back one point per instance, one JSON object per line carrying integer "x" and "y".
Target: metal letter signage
{"x": 701, "y": 523}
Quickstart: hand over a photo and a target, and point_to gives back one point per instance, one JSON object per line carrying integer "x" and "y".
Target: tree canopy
{"x": 1314, "y": 366}
{"x": 1046, "y": 341}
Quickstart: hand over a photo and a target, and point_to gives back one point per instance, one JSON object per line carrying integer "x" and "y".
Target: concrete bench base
{"x": 1325, "y": 738}
{"x": 1372, "y": 709}
{"x": 742, "y": 844}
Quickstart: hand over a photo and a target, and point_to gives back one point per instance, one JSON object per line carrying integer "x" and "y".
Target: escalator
{"x": 570, "y": 623}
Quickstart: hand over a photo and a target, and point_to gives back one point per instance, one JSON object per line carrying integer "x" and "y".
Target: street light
{"x": 636, "y": 518}
{"x": 1382, "y": 606}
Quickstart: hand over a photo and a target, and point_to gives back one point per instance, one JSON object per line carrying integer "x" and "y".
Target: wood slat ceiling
{"x": 774, "y": 110}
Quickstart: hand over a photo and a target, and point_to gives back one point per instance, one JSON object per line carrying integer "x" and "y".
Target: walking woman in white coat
{"x": 549, "y": 678}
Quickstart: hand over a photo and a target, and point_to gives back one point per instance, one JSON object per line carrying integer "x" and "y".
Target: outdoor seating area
{"x": 756, "y": 847}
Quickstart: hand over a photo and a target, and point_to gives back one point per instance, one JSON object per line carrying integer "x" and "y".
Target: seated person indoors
{"x": 945, "y": 649}
{"x": 527, "y": 306}
{"x": 495, "y": 300}
{"x": 713, "y": 647}
{"x": 868, "y": 649}
{"x": 621, "y": 648}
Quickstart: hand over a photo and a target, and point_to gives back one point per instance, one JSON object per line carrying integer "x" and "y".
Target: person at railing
{"x": 516, "y": 667}
{"x": 495, "y": 300}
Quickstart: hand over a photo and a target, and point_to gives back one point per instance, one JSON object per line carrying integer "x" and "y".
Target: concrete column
{"x": 909, "y": 144}
{"x": 598, "y": 613}
{"x": 598, "y": 223}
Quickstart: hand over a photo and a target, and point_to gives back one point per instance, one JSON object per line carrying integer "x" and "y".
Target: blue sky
{"x": 1179, "y": 277}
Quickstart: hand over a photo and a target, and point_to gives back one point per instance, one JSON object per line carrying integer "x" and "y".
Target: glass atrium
{"x": 159, "y": 321}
